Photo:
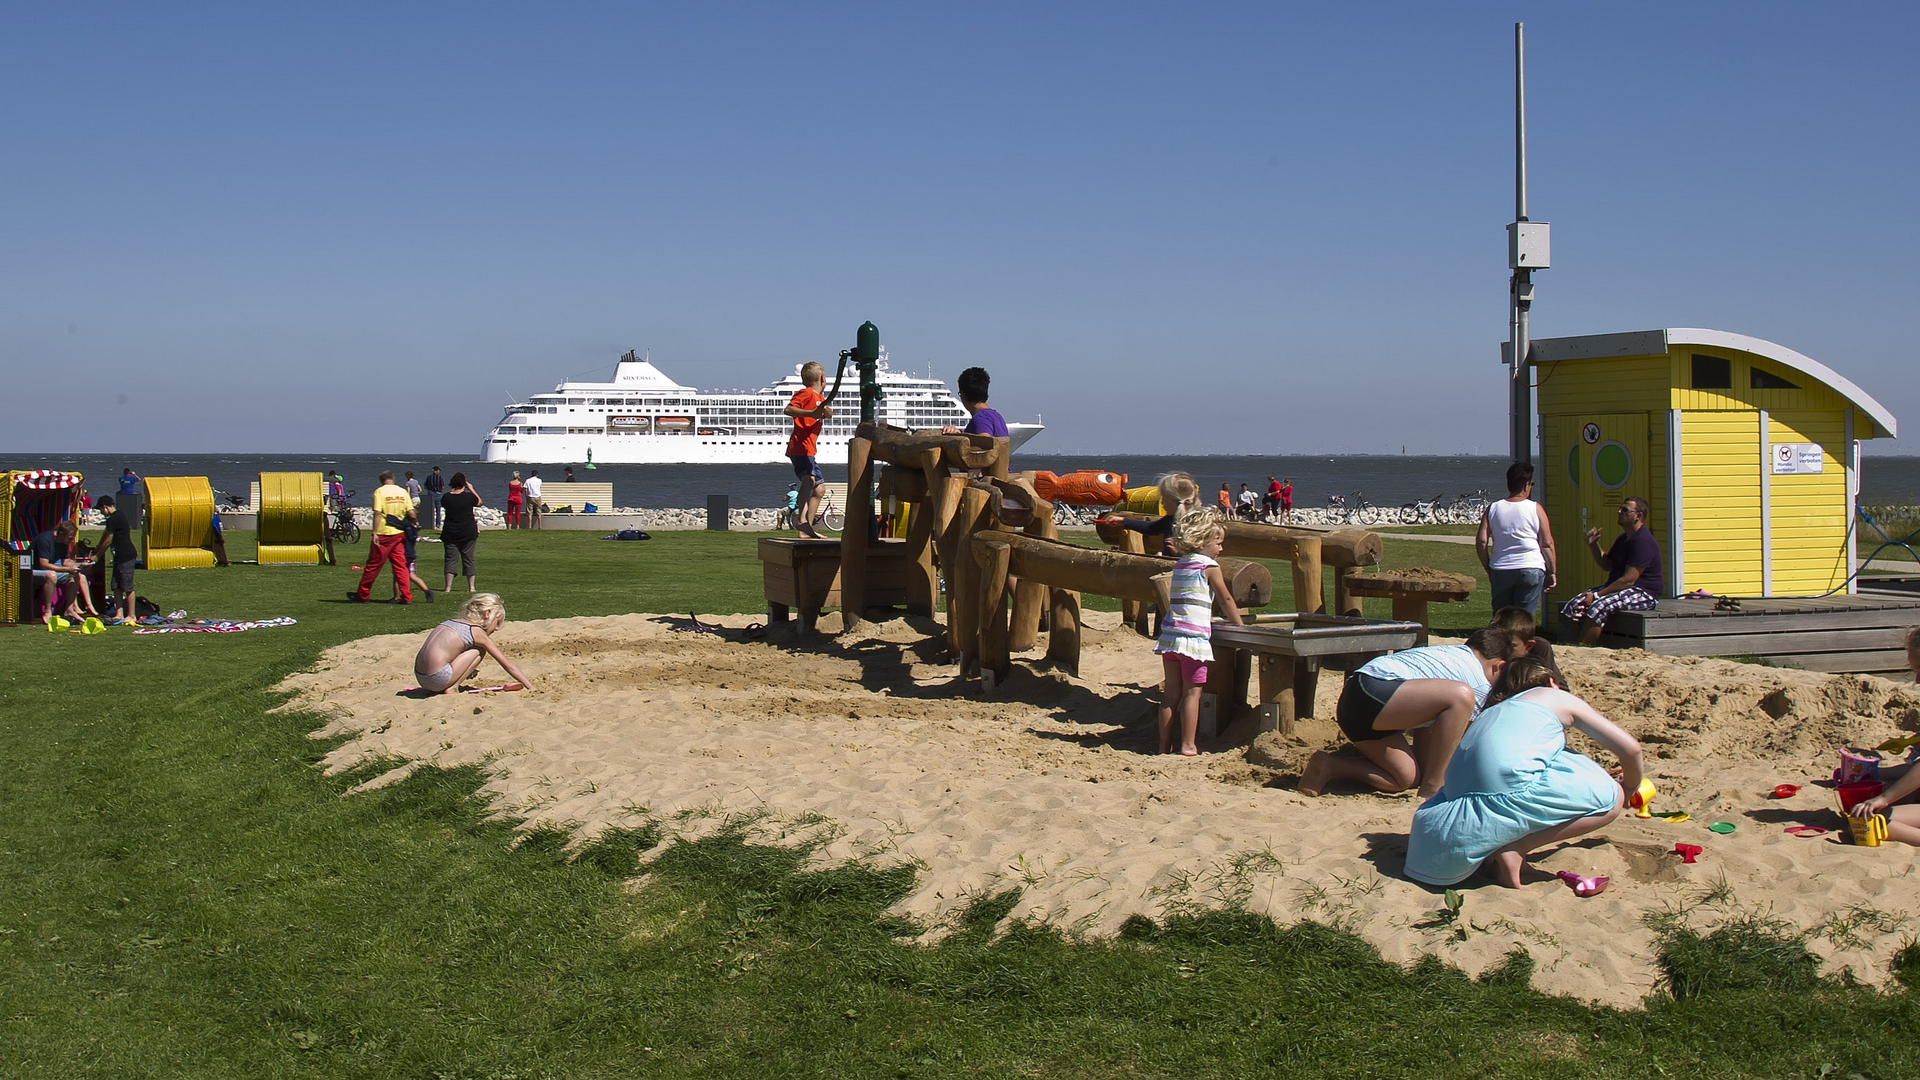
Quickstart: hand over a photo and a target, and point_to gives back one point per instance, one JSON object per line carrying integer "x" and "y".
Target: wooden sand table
{"x": 1411, "y": 590}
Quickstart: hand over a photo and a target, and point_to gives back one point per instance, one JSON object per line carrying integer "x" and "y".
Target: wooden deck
{"x": 1863, "y": 634}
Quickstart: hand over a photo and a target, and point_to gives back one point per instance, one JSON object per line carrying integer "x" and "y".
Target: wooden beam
{"x": 963, "y": 577}
{"x": 1067, "y": 566}
{"x": 1132, "y": 543}
{"x": 900, "y": 446}
{"x": 1031, "y": 597}
{"x": 1063, "y": 633}
{"x": 992, "y": 557}
{"x": 853, "y": 538}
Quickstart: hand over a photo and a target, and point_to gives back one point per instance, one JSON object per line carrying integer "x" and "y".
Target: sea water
{"x": 1383, "y": 479}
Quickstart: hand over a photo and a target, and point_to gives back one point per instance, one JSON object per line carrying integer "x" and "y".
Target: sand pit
{"x": 1050, "y": 786}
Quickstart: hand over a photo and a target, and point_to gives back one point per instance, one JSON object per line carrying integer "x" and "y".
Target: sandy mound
{"x": 1050, "y": 785}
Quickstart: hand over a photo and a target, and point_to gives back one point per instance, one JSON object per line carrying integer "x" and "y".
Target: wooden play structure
{"x": 31, "y": 502}
{"x": 803, "y": 576}
{"x": 858, "y": 571}
{"x": 1412, "y": 591}
{"x": 181, "y": 529}
{"x": 1290, "y": 649}
{"x": 293, "y": 519}
{"x": 1348, "y": 551}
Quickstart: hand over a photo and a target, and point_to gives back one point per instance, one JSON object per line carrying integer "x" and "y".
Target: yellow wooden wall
{"x": 1720, "y": 497}
{"x": 1810, "y": 512}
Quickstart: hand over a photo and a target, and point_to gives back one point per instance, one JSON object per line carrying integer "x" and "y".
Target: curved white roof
{"x": 1652, "y": 342}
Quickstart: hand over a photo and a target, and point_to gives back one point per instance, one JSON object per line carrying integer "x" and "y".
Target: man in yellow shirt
{"x": 390, "y": 503}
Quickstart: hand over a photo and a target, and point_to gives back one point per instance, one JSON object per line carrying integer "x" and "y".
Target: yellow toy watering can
{"x": 1642, "y": 798}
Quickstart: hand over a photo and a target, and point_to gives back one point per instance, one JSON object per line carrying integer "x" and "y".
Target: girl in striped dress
{"x": 1186, "y": 634}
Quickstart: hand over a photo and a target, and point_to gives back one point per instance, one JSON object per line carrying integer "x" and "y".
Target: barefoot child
{"x": 453, "y": 650}
{"x": 809, "y": 410}
{"x": 1513, "y": 786}
{"x": 1186, "y": 636}
{"x": 1903, "y": 822}
{"x": 1430, "y": 693}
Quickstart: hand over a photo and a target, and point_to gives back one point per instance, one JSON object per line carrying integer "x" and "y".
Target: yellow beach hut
{"x": 1746, "y": 451}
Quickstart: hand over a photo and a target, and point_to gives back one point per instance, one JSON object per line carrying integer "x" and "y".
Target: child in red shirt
{"x": 808, "y": 408}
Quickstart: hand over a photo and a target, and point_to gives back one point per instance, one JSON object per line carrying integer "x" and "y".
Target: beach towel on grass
{"x": 215, "y": 626}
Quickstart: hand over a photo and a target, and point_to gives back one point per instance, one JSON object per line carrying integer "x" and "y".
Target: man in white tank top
{"x": 1516, "y": 545}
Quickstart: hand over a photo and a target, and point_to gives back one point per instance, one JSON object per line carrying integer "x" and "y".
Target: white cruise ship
{"x": 641, "y": 417}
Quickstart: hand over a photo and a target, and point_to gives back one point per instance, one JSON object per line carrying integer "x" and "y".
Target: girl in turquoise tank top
{"x": 1512, "y": 786}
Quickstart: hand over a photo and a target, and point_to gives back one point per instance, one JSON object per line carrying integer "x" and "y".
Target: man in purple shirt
{"x": 1634, "y": 581}
{"x": 973, "y": 394}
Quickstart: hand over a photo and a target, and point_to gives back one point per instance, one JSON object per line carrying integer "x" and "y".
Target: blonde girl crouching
{"x": 1186, "y": 634}
{"x": 453, "y": 650}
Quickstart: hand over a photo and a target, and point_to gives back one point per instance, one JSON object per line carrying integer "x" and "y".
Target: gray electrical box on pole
{"x": 1528, "y": 249}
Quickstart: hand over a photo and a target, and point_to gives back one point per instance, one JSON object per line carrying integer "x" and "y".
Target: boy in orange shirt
{"x": 808, "y": 408}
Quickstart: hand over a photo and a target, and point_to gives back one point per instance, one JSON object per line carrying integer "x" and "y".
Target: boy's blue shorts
{"x": 806, "y": 468}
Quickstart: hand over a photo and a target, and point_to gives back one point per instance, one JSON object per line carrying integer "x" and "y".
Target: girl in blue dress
{"x": 1512, "y": 786}
{"x": 1186, "y": 634}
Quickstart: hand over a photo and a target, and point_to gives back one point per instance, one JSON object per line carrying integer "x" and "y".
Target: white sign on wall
{"x": 1798, "y": 458}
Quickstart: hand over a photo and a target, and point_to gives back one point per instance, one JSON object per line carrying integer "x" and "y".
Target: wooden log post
{"x": 1344, "y": 600}
{"x": 1002, "y": 458}
{"x": 1063, "y": 633}
{"x": 1029, "y": 597}
{"x": 1131, "y": 611}
{"x": 996, "y": 661}
{"x": 945, "y": 499}
{"x": 1277, "y": 693}
{"x": 1309, "y": 589}
{"x": 963, "y": 578}
{"x": 853, "y": 538}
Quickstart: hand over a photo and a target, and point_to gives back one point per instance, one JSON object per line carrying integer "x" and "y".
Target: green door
{"x": 1594, "y": 461}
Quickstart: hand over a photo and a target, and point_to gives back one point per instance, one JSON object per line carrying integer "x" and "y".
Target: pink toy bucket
{"x": 1857, "y": 766}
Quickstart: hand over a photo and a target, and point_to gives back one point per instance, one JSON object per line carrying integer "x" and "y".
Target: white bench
{"x": 568, "y": 498}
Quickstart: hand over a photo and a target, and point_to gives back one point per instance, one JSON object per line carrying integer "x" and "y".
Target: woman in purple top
{"x": 1634, "y": 581}
{"x": 973, "y": 394}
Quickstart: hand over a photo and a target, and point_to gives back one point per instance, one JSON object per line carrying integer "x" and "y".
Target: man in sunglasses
{"x": 1634, "y": 581}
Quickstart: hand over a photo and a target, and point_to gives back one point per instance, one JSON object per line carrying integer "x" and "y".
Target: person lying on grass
{"x": 1513, "y": 786}
{"x": 453, "y": 650}
{"x": 1430, "y": 692}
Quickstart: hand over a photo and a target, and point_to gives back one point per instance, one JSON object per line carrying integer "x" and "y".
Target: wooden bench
{"x": 1854, "y": 634}
{"x": 568, "y": 498}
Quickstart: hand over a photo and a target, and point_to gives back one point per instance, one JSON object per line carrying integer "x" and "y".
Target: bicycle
{"x": 1364, "y": 511}
{"x": 1336, "y": 510}
{"x": 1421, "y": 512}
{"x": 227, "y": 502}
{"x": 831, "y": 518}
{"x": 344, "y": 529}
{"x": 1469, "y": 507}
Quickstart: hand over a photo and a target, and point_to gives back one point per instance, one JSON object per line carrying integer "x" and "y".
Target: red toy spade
{"x": 1687, "y": 852}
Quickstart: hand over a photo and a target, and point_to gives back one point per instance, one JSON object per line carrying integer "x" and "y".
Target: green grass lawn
{"x": 182, "y": 894}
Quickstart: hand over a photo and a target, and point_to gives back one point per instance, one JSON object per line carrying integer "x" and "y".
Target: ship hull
{"x": 673, "y": 449}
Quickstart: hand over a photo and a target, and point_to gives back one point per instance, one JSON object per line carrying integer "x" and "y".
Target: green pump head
{"x": 866, "y": 343}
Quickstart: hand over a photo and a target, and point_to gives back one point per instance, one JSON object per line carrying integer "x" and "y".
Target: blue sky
{"x": 1212, "y": 229}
